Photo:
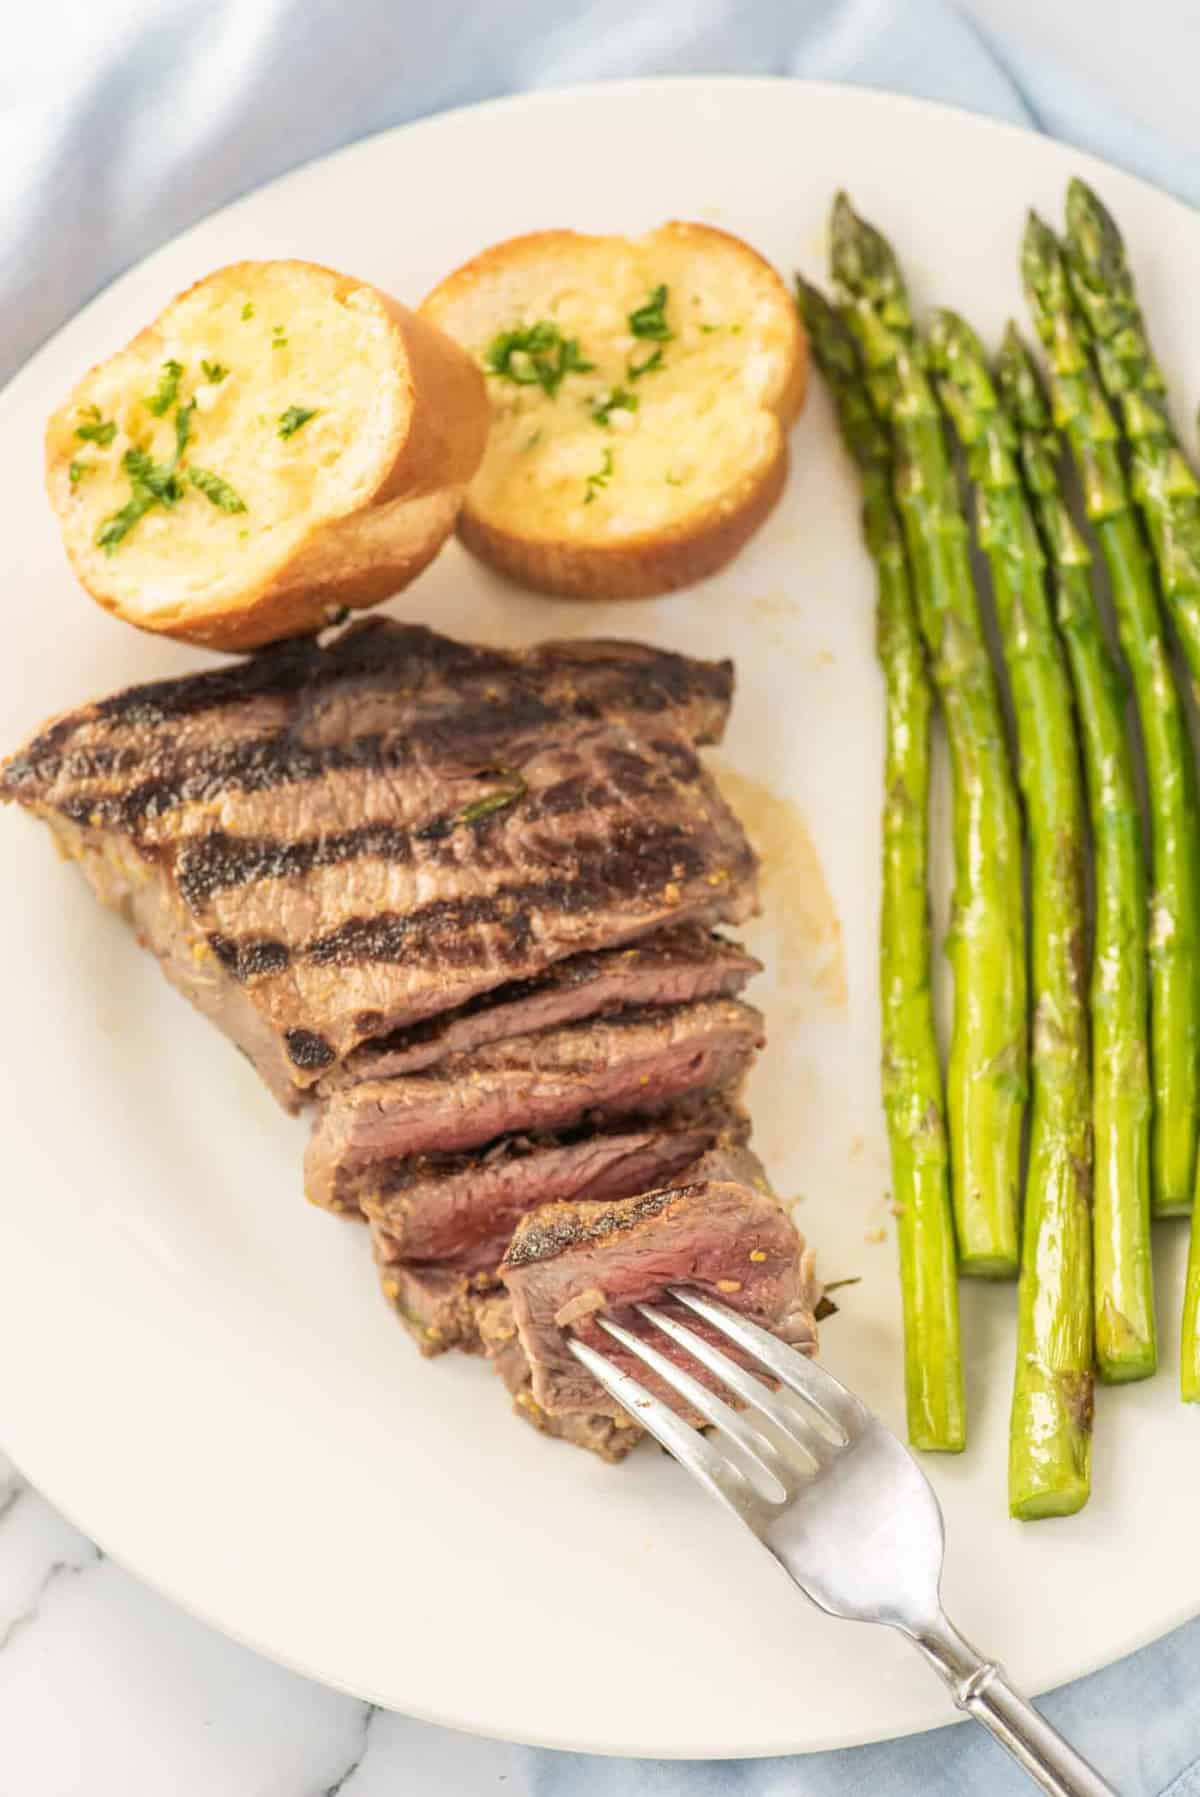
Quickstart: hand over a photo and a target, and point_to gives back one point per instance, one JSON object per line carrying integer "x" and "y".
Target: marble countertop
{"x": 106, "y": 1687}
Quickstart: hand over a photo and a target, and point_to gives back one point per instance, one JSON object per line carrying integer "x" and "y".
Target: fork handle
{"x": 980, "y": 1687}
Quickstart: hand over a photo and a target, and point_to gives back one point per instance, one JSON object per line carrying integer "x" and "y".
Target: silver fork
{"x": 841, "y": 1505}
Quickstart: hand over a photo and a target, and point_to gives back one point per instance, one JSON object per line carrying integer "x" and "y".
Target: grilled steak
{"x": 723, "y": 1233}
{"x": 444, "y": 1310}
{"x": 439, "y": 1306}
{"x": 461, "y": 1210}
{"x": 610, "y": 1437}
{"x": 635, "y": 1063}
{"x": 671, "y": 967}
{"x": 326, "y": 844}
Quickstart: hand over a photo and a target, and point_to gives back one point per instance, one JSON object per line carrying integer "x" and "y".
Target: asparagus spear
{"x": 1081, "y": 411}
{"x": 986, "y": 1075}
{"x": 1051, "y": 1430}
{"x": 912, "y": 1080}
{"x": 1165, "y": 488}
{"x": 1123, "y": 1289}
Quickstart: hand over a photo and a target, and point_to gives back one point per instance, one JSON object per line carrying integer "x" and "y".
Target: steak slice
{"x": 723, "y": 1233}
{"x": 326, "y": 844}
{"x": 672, "y": 967}
{"x": 461, "y": 1210}
{"x": 442, "y": 1310}
{"x": 609, "y": 1437}
{"x": 636, "y": 1063}
{"x": 439, "y": 1306}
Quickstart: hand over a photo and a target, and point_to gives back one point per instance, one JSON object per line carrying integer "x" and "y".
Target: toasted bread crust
{"x": 690, "y": 546}
{"x": 656, "y": 562}
{"x": 354, "y": 560}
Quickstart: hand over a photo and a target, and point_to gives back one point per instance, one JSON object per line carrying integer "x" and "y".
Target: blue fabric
{"x": 122, "y": 123}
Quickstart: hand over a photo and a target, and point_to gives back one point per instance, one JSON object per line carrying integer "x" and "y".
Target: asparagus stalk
{"x": 912, "y": 1080}
{"x": 1051, "y": 1430}
{"x": 1082, "y": 413}
{"x": 1165, "y": 489}
{"x": 1123, "y": 1289}
{"x": 986, "y": 1074}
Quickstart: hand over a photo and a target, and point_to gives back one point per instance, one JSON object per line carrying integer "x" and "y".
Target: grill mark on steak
{"x": 308, "y": 1050}
{"x": 324, "y": 910}
{"x": 378, "y": 647}
{"x": 265, "y": 764}
{"x": 673, "y": 966}
{"x": 250, "y": 960}
{"x": 491, "y": 697}
{"x": 641, "y": 859}
{"x": 218, "y": 861}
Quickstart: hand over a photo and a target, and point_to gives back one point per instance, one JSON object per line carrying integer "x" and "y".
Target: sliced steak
{"x": 610, "y": 1437}
{"x": 636, "y": 1063}
{"x": 723, "y": 1233}
{"x": 461, "y": 1210}
{"x": 437, "y": 1305}
{"x": 442, "y": 1310}
{"x": 326, "y": 844}
{"x": 672, "y": 967}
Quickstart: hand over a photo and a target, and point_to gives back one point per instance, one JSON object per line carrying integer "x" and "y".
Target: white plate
{"x": 198, "y": 1368}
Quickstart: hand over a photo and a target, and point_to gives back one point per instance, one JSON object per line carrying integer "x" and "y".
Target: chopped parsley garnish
{"x": 160, "y": 403}
{"x": 77, "y": 470}
{"x": 183, "y": 426}
{"x": 618, "y": 399}
{"x": 153, "y": 483}
{"x": 278, "y": 337}
{"x": 636, "y": 370}
{"x": 214, "y": 372}
{"x": 291, "y": 420}
{"x": 114, "y": 530}
{"x": 600, "y": 478}
{"x": 673, "y": 480}
{"x": 159, "y": 479}
{"x": 216, "y": 489}
{"x": 650, "y": 320}
{"x": 248, "y": 309}
{"x": 538, "y": 356}
{"x": 95, "y": 429}
{"x": 531, "y": 441}
{"x": 708, "y": 329}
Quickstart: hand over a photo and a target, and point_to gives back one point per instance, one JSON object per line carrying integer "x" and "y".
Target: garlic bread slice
{"x": 282, "y": 442}
{"x": 641, "y": 394}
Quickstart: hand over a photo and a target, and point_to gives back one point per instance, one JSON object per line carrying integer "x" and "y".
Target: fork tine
{"x": 698, "y": 1456}
{"x": 840, "y": 1408}
{"x": 762, "y": 1453}
{"x": 787, "y": 1418}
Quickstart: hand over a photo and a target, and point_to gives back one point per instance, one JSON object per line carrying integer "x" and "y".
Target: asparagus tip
{"x": 1092, "y": 231}
{"x": 956, "y": 353}
{"x": 1012, "y": 344}
{"x": 1041, "y": 264}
